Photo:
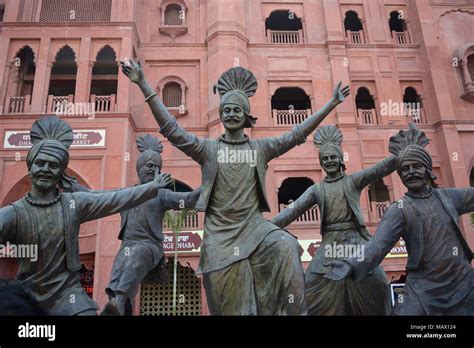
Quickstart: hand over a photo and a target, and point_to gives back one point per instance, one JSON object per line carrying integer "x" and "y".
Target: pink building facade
{"x": 405, "y": 60}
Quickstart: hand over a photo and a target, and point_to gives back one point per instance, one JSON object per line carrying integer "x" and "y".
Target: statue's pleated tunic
{"x": 342, "y": 228}
{"x": 342, "y": 232}
{"x": 250, "y": 266}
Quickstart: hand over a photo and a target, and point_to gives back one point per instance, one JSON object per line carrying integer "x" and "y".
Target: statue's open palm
{"x": 341, "y": 93}
{"x": 132, "y": 69}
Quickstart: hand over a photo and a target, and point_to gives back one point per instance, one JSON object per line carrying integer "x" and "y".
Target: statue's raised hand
{"x": 340, "y": 93}
{"x": 133, "y": 70}
{"x": 338, "y": 270}
{"x": 162, "y": 180}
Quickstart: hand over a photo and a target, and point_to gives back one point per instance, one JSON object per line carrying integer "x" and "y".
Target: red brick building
{"x": 61, "y": 56}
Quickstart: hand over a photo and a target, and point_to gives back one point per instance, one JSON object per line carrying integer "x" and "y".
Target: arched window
{"x": 172, "y": 90}
{"x": 174, "y": 15}
{"x": 284, "y": 27}
{"x": 365, "y": 106}
{"x": 62, "y": 84}
{"x": 353, "y": 27}
{"x": 464, "y": 63}
{"x": 21, "y": 88}
{"x": 398, "y": 28}
{"x": 412, "y": 106}
{"x": 104, "y": 80}
{"x": 173, "y": 18}
{"x": 290, "y": 105}
{"x": 172, "y": 95}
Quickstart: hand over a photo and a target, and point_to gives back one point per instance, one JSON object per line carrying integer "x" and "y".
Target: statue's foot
{"x": 112, "y": 308}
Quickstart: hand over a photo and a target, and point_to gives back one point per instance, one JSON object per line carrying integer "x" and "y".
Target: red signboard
{"x": 187, "y": 242}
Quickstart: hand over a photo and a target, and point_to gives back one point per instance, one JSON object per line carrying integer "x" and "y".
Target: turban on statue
{"x": 236, "y": 86}
{"x": 53, "y": 137}
{"x": 409, "y": 145}
{"x": 151, "y": 149}
{"x": 329, "y": 138}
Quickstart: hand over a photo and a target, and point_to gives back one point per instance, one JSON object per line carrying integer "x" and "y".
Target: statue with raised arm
{"x": 343, "y": 231}
{"x": 141, "y": 255}
{"x": 440, "y": 278}
{"x": 50, "y": 218}
{"x": 249, "y": 265}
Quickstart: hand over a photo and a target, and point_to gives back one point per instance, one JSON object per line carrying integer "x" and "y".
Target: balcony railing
{"x": 289, "y": 117}
{"x": 193, "y": 221}
{"x": 103, "y": 103}
{"x": 59, "y": 104}
{"x": 367, "y": 116}
{"x": 355, "y": 37}
{"x": 416, "y": 115}
{"x": 285, "y": 36}
{"x": 309, "y": 216}
{"x": 378, "y": 209}
{"x": 401, "y": 38}
{"x": 18, "y": 105}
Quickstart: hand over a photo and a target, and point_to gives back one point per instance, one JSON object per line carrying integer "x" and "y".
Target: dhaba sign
{"x": 188, "y": 242}
{"x": 82, "y": 138}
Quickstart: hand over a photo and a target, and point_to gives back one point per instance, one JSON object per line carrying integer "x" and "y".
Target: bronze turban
{"x": 52, "y": 136}
{"x": 416, "y": 153}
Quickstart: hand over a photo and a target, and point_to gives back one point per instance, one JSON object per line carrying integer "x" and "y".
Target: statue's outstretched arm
{"x": 277, "y": 146}
{"x": 189, "y": 143}
{"x": 296, "y": 208}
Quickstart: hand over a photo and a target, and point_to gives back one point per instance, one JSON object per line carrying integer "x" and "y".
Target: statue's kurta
{"x": 250, "y": 266}
{"x": 440, "y": 278}
{"x": 342, "y": 224}
{"x": 54, "y": 278}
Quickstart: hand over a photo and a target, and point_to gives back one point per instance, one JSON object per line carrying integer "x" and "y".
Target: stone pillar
{"x": 42, "y": 76}
{"x": 5, "y": 83}
{"x": 227, "y": 47}
{"x": 84, "y": 72}
{"x": 123, "y": 83}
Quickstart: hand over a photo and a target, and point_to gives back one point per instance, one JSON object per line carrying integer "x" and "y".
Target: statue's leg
{"x": 278, "y": 275}
{"x": 131, "y": 266}
{"x": 466, "y": 306}
{"x": 230, "y": 291}
{"x": 324, "y": 296}
{"x": 369, "y": 296}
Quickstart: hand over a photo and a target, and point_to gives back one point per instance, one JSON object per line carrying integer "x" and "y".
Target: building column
{"x": 42, "y": 76}
{"x": 84, "y": 72}
{"x": 123, "y": 83}
{"x": 5, "y": 83}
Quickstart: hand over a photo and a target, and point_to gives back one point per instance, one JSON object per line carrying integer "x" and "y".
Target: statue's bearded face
{"x": 147, "y": 172}
{"x": 233, "y": 117}
{"x": 45, "y": 172}
{"x": 330, "y": 161}
{"x": 414, "y": 175}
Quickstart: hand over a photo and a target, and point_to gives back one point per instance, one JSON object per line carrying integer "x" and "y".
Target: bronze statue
{"x": 249, "y": 265}
{"x": 440, "y": 277}
{"x": 343, "y": 230}
{"x": 50, "y": 219}
{"x": 141, "y": 256}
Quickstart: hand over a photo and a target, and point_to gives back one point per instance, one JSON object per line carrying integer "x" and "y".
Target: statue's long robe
{"x": 440, "y": 278}
{"x": 54, "y": 279}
